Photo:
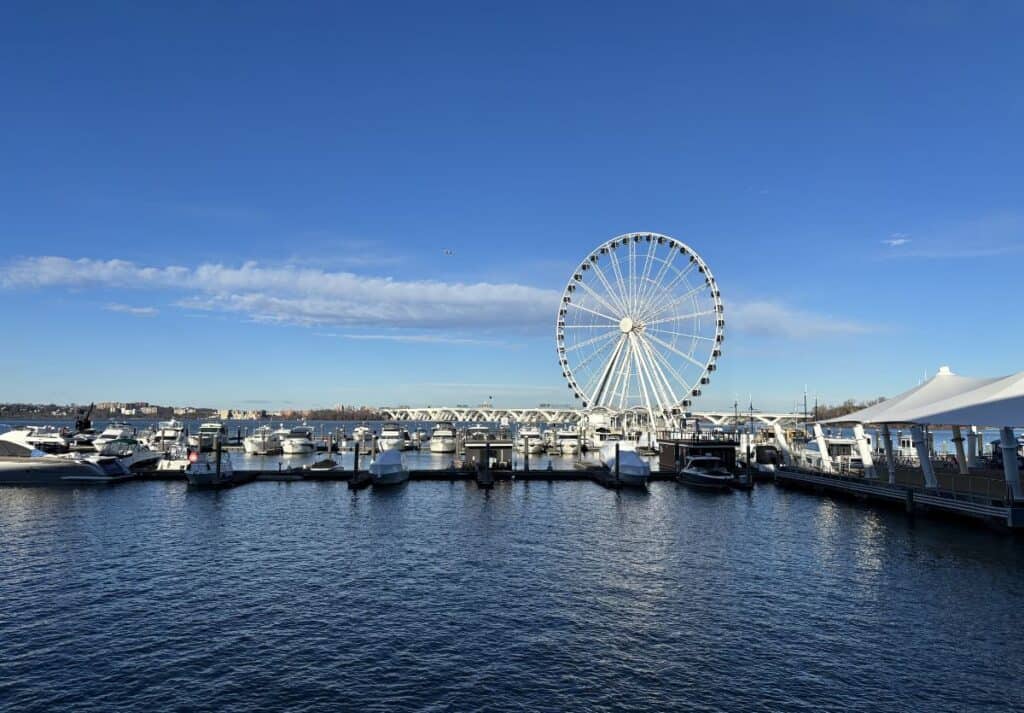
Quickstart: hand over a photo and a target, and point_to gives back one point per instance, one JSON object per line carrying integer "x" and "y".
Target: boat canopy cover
{"x": 908, "y": 406}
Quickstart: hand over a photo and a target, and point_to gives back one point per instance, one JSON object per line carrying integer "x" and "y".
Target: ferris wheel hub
{"x": 626, "y": 325}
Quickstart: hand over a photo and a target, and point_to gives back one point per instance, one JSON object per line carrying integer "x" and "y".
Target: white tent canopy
{"x": 997, "y": 403}
{"x": 905, "y": 407}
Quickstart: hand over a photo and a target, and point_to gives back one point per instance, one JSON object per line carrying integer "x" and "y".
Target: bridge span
{"x": 565, "y": 415}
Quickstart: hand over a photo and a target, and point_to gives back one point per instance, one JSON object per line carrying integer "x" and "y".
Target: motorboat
{"x": 174, "y": 459}
{"x": 530, "y": 440}
{"x": 113, "y": 432}
{"x": 130, "y": 453}
{"x": 204, "y": 470}
{"x": 298, "y": 441}
{"x": 706, "y": 472}
{"x": 21, "y": 464}
{"x": 166, "y": 434}
{"x": 208, "y": 435}
{"x": 392, "y": 436}
{"x": 631, "y": 468}
{"x": 263, "y": 441}
{"x": 388, "y": 469}
{"x": 479, "y": 432}
{"x": 40, "y": 438}
{"x": 443, "y": 438}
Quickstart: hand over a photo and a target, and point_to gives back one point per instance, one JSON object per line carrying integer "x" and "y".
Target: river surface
{"x": 439, "y": 596}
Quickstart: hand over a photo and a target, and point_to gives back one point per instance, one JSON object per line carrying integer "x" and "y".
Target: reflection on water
{"x": 442, "y": 596}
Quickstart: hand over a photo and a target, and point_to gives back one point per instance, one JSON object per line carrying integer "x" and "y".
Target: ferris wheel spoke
{"x": 592, "y": 340}
{"x": 672, "y": 349}
{"x": 640, "y": 376}
{"x": 600, "y": 388}
{"x": 594, "y": 380}
{"x": 672, "y": 303}
{"x": 608, "y": 286}
{"x": 645, "y": 277}
{"x": 683, "y": 274}
{"x": 593, "y": 312}
{"x": 659, "y": 330}
{"x": 590, "y": 290}
{"x": 677, "y": 318}
{"x": 616, "y": 268}
{"x": 671, "y": 370}
{"x": 666, "y": 384}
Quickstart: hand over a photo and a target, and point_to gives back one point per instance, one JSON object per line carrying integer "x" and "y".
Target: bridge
{"x": 565, "y": 415}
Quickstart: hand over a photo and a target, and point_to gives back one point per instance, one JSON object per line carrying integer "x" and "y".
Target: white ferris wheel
{"x": 640, "y": 326}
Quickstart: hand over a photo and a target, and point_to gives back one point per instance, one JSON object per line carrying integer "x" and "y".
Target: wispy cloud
{"x": 368, "y": 308}
{"x": 414, "y": 338}
{"x": 128, "y": 309}
{"x": 897, "y": 239}
{"x": 777, "y": 319}
{"x": 308, "y": 296}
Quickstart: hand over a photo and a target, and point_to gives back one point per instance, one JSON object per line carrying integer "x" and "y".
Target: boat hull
{"x": 442, "y": 445}
{"x": 704, "y": 481}
{"x": 389, "y": 478}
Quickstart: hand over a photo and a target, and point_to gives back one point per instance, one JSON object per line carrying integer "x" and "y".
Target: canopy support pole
{"x": 972, "y": 448}
{"x": 1008, "y": 444}
{"x": 780, "y": 439}
{"x": 890, "y": 457}
{"x": 924, "y": 457}
{"x": 961, "y": 457}
{"x": 865, "y": 451}
{"x": 826, "y": 458}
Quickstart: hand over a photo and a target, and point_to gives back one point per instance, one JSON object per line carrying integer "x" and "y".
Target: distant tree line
{"x": 823, "y": 412}
{"x": 341, "y": 413}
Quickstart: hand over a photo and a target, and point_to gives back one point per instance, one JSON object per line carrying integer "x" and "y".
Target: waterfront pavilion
{"x": 957, "y": 402}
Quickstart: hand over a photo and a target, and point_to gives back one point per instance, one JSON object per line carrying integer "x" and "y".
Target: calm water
{"x": 439, "y": 596}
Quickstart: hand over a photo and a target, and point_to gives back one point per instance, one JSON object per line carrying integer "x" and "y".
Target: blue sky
{"x": 199, "y": 204}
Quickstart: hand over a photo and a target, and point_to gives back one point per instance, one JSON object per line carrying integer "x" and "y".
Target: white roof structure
{"x": 912, "y": 405}
{"x": 997, "y": 403}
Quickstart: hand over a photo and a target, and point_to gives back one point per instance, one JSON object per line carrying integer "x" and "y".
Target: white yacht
{"x": 41, "y": 438}
{"x": 568, "y": 441}
{"x": 362, "y": 439}
{"x": 388, "y": 469}
{"x": 443, "y": 438}
{"x": 530, "y": 440}
{"x": 632, "y": 469}
{"x": 208, "y": 433}
{"x": 263, "y": 441}
{"x": 113, "y": 432}
{"x": 298, "y": 441}
{"x": 166, "y": 434}
{"x": 392, "y": 436}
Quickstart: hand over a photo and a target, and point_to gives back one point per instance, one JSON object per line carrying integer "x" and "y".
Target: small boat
{"x": 632, "y": 469}
{"x": 388, "y": 469}
{"x": 263, "y": 441}
{"x": 298, "y": 441}
{"x": 21, "y": 464}
{"x": 443, "y": 438}
{"x": 705, "y": 472}
{"x": 203, "y": 470}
